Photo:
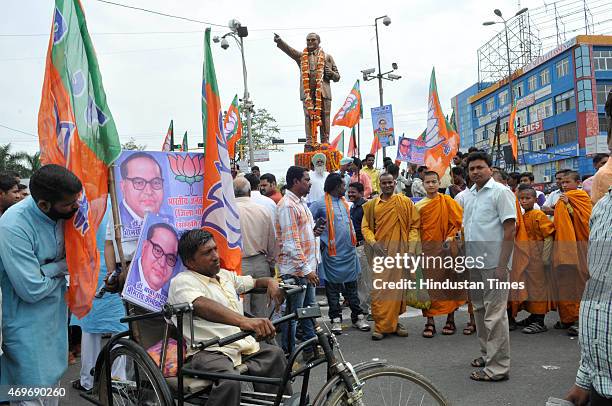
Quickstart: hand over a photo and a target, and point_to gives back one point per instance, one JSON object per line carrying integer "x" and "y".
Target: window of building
{"x": 582, "y": 61}
{"x": 478, "y": 110}
{"x": 490, "y": 130}
{"x": 532, "y": 83}
{"x": 565, "y": 102}
{"x": 479, "y": 134}
{"x": 602, "y": 60}
{"x": 602, "y": 93}
{"x": 544, "y": 77}
{"x": 521, "y": 117}
{"x": 562, "y": 67}
{"x": 569, "y": 163}
{"x": 540, "y": 111}
{"x": 524, "y": 145}
{"x": 504, "y": 124}
{"x": 549, "y": 137}
{"x": 503, "y": 98}
{"x": 518, "y": 90}
{"x": 585, "y": 95}
{"x": 603, "y": 125}
{"x": 537, "y": 142}
{"x": 490, "y": 104}
{"x": 567, "y": 133}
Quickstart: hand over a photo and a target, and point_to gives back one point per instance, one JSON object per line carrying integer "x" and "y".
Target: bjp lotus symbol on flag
{"x": 351, "y": 110}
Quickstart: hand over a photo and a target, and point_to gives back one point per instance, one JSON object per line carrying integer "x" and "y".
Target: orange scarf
{"x": 331, "y": 232}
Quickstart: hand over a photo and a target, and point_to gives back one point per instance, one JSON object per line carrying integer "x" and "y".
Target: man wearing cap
{"x": 317, "y": 178}
{"x": 343, "y": 171}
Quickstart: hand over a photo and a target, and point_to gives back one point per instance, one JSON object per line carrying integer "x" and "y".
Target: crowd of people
{"x": 351, "y": 233}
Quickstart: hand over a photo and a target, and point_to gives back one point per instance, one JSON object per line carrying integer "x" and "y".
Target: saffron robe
{"x": 441, "y": 218}
{"x": 393, "y": 224}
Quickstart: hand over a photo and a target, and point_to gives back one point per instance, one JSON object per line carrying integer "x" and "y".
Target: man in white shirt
{"x": 317, "y": 178}
{"x": 418, "y": 190}
{"x": 218, "y": 313}
{"x": 257, "y": 197}
{"x": 489, "y": 225}
{"x": 258, "y": 243}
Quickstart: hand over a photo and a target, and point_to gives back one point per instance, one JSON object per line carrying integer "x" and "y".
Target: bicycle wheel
{"x": 136, "y": 379}
{"x": 388, "y": 385}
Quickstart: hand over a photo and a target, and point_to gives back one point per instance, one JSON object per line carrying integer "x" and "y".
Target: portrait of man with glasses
{"x": 403, "y": 150}
{"x": 142, "y": 190}
{"x": 155, "y": 263}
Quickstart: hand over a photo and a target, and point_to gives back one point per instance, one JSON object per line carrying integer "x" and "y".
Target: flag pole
{"x": 358, "y": 138}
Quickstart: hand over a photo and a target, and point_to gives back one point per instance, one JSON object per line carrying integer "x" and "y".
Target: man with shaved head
{"x": 258, "y": 243}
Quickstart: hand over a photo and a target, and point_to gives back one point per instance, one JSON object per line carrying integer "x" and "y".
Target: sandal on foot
{"x": 429, "y": 331}
{"x": 481, "y": 376}
{"x": 562, "y": 326}
{"x": 469, "y": 329}
{"x": 376, "y": 336}
{"x": 478, "y": 362}
{"x": 525, "y": 322}
{"x": 534, "y": 328}
{"x": 573, "y": 331}
{"x": 449, "y": 328}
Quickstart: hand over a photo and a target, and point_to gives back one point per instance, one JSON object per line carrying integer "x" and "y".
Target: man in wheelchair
{"x": 218, "y": 312}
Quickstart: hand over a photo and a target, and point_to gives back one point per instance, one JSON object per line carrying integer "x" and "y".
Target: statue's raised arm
{"x": 317, "y": 70}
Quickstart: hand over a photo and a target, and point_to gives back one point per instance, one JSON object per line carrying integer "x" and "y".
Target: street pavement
{"x": 543, "y": 365}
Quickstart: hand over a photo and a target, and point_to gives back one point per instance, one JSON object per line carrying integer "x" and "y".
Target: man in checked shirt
{"x": 298, "y": 256}
{"x": 594, "y": 377}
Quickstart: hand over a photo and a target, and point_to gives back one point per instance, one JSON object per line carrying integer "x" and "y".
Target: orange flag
{"x": 352, "y": 146}
{"x": 220, "y": 216}
{"x": 512, "y": 133}
{"x": 338, "y": 142}
{"x": 375, "y": 145}
{"x": 441, "y": 140}
{"x": 76, "y": 130}
{"x": 351, "y": 110}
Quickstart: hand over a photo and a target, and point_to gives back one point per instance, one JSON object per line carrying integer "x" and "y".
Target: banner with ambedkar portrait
{"x": 155, "y": 263}
{"x": 167, "y": 184}
{"x": 382, "y": 124}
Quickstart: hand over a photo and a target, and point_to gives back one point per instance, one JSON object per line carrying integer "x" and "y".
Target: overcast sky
{"x": 152, "y": 77}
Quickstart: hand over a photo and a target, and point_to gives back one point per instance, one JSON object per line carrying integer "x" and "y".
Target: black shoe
{"x": 512, "y": 325}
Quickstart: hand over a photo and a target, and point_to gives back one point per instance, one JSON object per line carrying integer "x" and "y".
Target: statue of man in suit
{"x": 317, "y": 70}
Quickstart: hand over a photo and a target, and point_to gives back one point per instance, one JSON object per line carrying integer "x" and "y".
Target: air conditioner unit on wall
{"x": 546, "y": 179}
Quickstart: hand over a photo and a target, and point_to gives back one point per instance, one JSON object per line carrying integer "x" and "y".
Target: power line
{"x": 19, "y": 131}
{"x": 161, "y": 13}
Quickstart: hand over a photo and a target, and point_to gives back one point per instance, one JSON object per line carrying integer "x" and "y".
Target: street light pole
{"x": 247, "y": 105}
{"x": 238, "y": 32}
{"x": 379, "y": 76}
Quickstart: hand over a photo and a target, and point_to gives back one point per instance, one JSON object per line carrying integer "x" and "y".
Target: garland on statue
{"x": 313, "y": 107}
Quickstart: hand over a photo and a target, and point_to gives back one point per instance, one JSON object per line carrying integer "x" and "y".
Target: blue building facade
{"x": 560, "y": 98}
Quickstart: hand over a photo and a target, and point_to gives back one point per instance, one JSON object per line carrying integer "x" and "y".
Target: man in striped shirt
{"x": 594, "y": 377}
{"x": 297, "y": 256}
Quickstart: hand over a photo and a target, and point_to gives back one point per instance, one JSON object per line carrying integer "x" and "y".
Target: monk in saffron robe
{"x": 571, "y": 219}
{"x": 531, "y": 257}
{"x": 390, "y": 226}
{"x": 441, "y": 218}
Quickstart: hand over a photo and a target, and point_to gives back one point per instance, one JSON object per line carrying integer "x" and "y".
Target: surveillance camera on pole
{"x": 216, "y": 39}
{"x": 393, "y": 76}
{"x": 224, "y": 43}
{"x": 394, "y": 66}
{"x": 368, "y": 71}
{"x": 387, "y": 21}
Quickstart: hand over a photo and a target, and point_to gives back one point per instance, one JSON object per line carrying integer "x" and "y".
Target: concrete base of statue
{"x": 304, "y": 159}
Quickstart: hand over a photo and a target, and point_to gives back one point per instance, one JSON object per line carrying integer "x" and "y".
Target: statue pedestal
{"x": 304, "y": 159}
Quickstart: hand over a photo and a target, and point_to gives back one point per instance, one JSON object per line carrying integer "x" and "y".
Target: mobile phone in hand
{"x": 319, "y": 223}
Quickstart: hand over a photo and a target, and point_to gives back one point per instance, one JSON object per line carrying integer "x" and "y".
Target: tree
{"x": 32, "y": 163}
{"x": 263, "y": 130}
{"x": 10, "y": 161}
{"x": 132, "y": 146}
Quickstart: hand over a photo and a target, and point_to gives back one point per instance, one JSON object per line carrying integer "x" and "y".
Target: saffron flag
{"x": 338, "y": 142}
{"x": 232, "y": 125}
{"x": 76, "y": 130}
{"x": 441, "y": 141}
{"x": 352, "y": 109}
{"x": 375, "y": 145}
{"x": 352, "y": 146}
{"x": 512, "y": 133}
{"x": 169, "y": 140}
{"x": 220, "y": 213}
{"x": 184, "y": 144}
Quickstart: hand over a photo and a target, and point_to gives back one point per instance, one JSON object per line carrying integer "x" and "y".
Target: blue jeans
{"x": 303, "y": 299}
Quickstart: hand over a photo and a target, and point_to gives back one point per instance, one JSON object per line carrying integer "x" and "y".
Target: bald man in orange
{"x": 530, "y": 260}
{"x": 570, "y": 273}
{"x": 441, "y": 218}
